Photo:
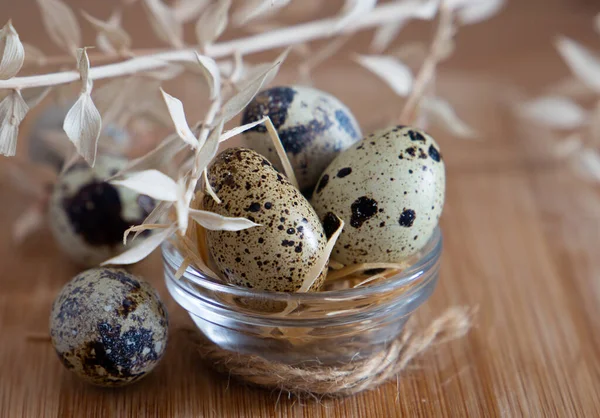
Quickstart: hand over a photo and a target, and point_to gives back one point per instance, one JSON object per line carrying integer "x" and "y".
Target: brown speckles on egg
{"x": 330, "y": 224}
{"x": 109, "y": 327}
{"x": 344, "y": 172}
{"x": 290, "y": 234}
{"x": 416, "y": 136}
{"x": 407, "y": 218}
{"x": 362, "y": 209}
{"x": 407, "y": 206}
{"x": 323, "y": 183}
{"x": 434, "y": 154}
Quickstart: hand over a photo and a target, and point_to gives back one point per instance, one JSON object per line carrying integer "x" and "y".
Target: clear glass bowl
{"x": 328, "y": 327}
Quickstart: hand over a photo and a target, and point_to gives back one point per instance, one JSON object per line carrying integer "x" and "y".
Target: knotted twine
{"x": 347, "y": 379}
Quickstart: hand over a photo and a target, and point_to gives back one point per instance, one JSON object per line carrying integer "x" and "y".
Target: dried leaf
{"x": 210, "y": 148}
{"x": 12, "y": 53}
{"x": 352, "y": 11}
{"x": 211, "y": 73}
{"x": 594, "y": 127}
{"x": 572, "y": 87}
{"x": 568, "y": 146}
{"x": 143, "y": 249}
{"x": 83, "y": 66}
{"x": 156, "y": 215}
{"x": 61, "y": 24}
{"x": 212, "y": 22}
{"x": 417, "y": 9}
{"x": 158, "y": 157}
{"x": 209, "y": 189}
{"x": 28, "y": 223}
{"x": 70, "y": 162}
{"x": 239, "y": 129}
{"x": 252, "y": 73}
{"x": 253, "y": 9}
{"x": 138, "y": 229}
{"x": 189, "y": 249}
{"x": 33, "y": 55}
{"x": 12, "y": 112}
{"x": 83, "y": 123}
{"x": 475, "y": 11}
{"x": 317, "y": 268}
{"x": 187, "y": 262}
{"x": 555, "y": 112}
{"x": 359, "y": 268}
{"x": 582, "y": 62}
{"x": 182, "y": 204}
{"x": 285, "y": 161}
{"x": 164, "y": 23}
{"x": 238, "y": 67}
{"x": 411, "y": 52}
{"x": 216, "y": 222}
{"x": 110, "y": 31}
{"x": 444, "y": 115}
{"x": 588, "y": 164}
{"x": 385, "y": 35}
{"x": 238, "y": 102}
{"x": 391, "y": 70}
{"x": 188, "y": 10}
{"x": 182, "y": 128}
{"x": 152, "y": 183}
{"x": 112, "y": 98}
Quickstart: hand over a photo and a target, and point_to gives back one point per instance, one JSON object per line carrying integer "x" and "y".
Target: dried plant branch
{"x": 256, "y": 43}
{"x": 443, "y": 35}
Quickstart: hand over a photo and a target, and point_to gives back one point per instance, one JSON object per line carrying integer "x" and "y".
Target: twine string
{"x": 347, "y": 379}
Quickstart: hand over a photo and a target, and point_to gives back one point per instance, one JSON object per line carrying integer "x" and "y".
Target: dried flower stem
{"x": 442, "y": 37}
{"x": 152, "y": 60}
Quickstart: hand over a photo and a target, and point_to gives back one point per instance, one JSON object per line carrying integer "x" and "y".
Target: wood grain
{"x": 521, "y": 243}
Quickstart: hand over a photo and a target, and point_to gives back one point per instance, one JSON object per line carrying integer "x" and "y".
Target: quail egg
{"x": 276, "y": 255}
{"x": 313, "y": 127}
{"x": 109, "y": 327}
{"x": 389, "y": 189}
{"x": 88, "y": 216}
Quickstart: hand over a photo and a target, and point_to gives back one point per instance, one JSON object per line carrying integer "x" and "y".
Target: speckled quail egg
{"x": 109, "y": 327}
{"x": 389, "y": 189}
{"x": 314, "y": 127}
{"x": 88, "y": 216}
{"x": 276, "y": 255}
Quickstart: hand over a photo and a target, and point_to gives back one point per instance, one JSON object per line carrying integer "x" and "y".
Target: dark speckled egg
{"x": 88, "y": 216}
{"x": 314, "y": 127}
{"x": 389, "y": 189}
{"x": 109, "y": 327}
{"x": 278, "y": 254}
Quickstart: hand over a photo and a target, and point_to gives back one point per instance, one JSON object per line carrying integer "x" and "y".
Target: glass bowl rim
{"x": 431, "y": 255}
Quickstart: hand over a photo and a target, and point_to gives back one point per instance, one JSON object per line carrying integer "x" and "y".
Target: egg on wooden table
{"x": 88, "y": 216}
{"x": 278, "y": 254}
{"x": 389, "y": 189}
{"x": 313, "y": 126}
{"x": 109, "y": 327}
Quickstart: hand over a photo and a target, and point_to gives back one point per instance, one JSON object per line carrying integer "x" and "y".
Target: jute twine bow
{"x": 348, "y": 379}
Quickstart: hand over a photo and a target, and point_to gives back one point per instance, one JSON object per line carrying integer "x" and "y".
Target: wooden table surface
{"x": 521, "y": 244}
